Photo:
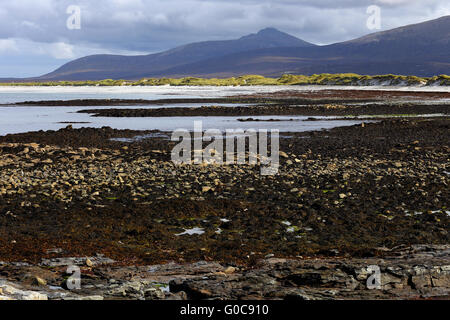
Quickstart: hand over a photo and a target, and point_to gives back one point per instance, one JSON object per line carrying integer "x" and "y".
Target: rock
{"x": 298, "y": 295}
{"x": 206, "y": 189}
{"x": 77, "y": 261}
{"x": 388, "y": 279}
{"x": 92, "y": 298}
{"x": 135, "y": 290}
{"x": 89, "y": 263}
{"x": 17, "y": 294}
{"x": 39, "y": 281}
{"x": 34, "y": 296}
{"x": 283, "y": 154}
{"x": 33, "y": 145}
{"x": 441, "y": 280}
{"x": 421, "y": 282}
{"x": 154, "y": 294}
{"x": 230, "y": 270}
{"x": 178, "y": 296}
{"x": 342, "y": 196}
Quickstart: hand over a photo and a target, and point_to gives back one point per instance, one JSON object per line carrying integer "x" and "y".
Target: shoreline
{"x": 317, "y": 175}
{"x": 344, "y": 198}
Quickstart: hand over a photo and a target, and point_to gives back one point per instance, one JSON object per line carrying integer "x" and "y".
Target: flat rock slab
{"x": 416, "y": 272}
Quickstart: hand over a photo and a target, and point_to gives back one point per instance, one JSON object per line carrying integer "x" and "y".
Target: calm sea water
{"x": 24, "y": 119}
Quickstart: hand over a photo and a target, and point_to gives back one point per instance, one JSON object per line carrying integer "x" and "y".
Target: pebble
{"x": 39, "y": 281}
{"x": 89, "y": 263}
{"x": 230, "y": 270}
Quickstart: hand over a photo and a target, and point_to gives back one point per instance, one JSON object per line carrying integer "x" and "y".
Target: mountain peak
{"x": 269, "y": 30}
{"x": 273, "y": 37}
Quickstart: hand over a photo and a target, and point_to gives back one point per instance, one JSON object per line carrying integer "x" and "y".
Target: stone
{"x": 17, "y": 294}
{"x": 33, "y": 145}
{"x": 421, "y": 282}
{"x": 92, "y": 298}
{"x": 34, "y": 296}
{"x": 283, "y": 154}
{"x": 230, "y": 270}
{"x": 89, "y": 263}
{"x": 154, "y": 294}
{"x": 39, "y": 281}
{"x": 178, "y": 296}
{"x": 441, "y": 280}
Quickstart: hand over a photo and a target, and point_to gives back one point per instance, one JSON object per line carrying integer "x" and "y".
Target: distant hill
{"x": 421, "y": 49}
{"x": 99, "y": 67}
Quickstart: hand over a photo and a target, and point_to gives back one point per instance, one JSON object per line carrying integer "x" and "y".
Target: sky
{"x": 38, "y": 36}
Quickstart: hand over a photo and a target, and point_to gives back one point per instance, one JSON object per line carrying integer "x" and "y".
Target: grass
{"x": 346, "y": 79}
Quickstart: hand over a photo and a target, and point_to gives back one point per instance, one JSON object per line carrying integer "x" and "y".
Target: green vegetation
{"x": 345, "y": 79}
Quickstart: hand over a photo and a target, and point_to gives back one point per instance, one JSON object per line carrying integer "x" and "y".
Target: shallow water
{"x": 18, "y": 94}
{"x": 24, "y": 119}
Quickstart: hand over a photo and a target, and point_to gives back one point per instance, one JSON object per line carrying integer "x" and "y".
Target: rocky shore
{"x": 416, "y": 272}
{"x": 137, "y": 224}
{"x": 405, "y": 109}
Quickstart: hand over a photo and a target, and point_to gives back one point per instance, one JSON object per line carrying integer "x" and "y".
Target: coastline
{"x": 330, "y": 191}
{"x": 140, "y": 227}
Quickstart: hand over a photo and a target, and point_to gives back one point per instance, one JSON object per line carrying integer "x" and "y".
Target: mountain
{"x": 99, "y": 67}
{"x": 421, "y": 49}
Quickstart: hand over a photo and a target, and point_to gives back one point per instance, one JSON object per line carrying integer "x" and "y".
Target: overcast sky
{"x": 34, "y": 38}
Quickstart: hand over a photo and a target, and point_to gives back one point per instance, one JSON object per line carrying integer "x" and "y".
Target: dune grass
{"x": 345, "y": 79}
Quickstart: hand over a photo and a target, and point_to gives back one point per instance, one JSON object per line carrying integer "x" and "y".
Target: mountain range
{"x": 421, "y": 49}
